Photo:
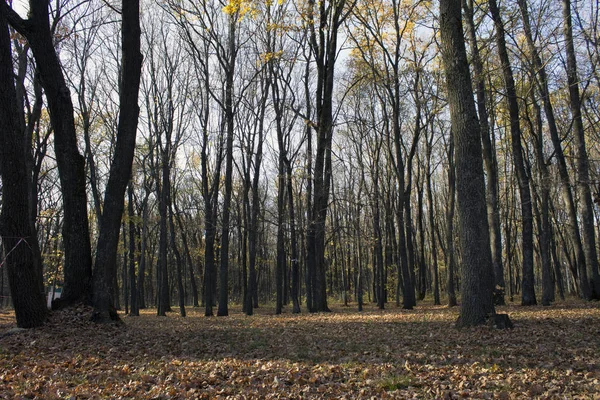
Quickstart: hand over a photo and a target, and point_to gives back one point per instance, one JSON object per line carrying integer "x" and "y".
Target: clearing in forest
{"x": 553, "y": 352}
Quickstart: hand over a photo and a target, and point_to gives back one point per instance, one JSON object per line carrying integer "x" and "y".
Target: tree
{"x": 430, "y": 204}
{"x": 541, "y": 80}
{"x": 71, "y": 164}
{"x": 590, "y": 289}
{"x": 19, "y": 238}
{"x": 121, "y": 165}
{"x": 476, "y": 266}
{"x": 324, "y": 21}
{"x": 135, "y": 310}
{"x": 490, "y": 162}
{"x": 528, "y": 293}
{"x": 380, "y": 43}
{"x": 228, "y": 62}
{"x": 450, "y": 209}
{"x": 252, "y": 158}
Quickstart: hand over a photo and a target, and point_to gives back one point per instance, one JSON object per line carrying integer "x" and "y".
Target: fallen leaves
{"x": 551, "y": 353}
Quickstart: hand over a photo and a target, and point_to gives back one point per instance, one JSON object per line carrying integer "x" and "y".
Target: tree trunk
{"x": 209, "y": 260}
{"x": 528, "y": 294}
{"x": 141, "y": 282}
{"x": 71, "y": 164}
{"x": 490, "y": 162}
{"x": 21, "y": 249}
{"x": 121, "y": 165}
{"x": 162, "y": 271}
{"x": 543, "y": 210}
{"x": 450, "y": 260}
{"x": 323, "y": 42}
{"x": 229, "y": 122}
{"x": 281, "y": 262}
{"x": 542, "y": 85}
{"x": 188, "y": 256}
{"x": 431, "y": 206}
{"x": 589, "y": 278}
{"x": 476, "y": 304}
{"x": 422, "y": 278}
{"x": 295, "y": 292}
{"x": 178, "y": 261}
{"x": 135, "y": 311}
{"x": 379, "y": 281}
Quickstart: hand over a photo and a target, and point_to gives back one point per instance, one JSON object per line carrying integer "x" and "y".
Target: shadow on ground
{"x": 551, "y": 353}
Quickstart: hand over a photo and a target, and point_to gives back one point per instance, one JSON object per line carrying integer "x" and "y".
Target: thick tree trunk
{"x": 209, "y": 193}
{"x": 71, "y": 164}
{"x": 358, "y": 257}
{"x": 121, "y": 165}
{"x": 557, "y": 269}
{"x": 21, "y": 249}
{"x": 476, "y": 304}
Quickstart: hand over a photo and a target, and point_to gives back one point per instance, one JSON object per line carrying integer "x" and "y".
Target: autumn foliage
{"x": 551, "y": 353}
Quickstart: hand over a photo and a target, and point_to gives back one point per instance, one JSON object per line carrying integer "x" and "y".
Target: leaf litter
{"x": 552, "y": 353}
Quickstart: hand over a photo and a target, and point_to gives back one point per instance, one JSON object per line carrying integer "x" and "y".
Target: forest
{"x": 213, "y": 153}
{"x": 368, "y": 190}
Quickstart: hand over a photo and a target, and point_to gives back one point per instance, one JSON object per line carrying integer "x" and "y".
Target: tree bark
{"x": 121, "y": 165}
{"x": 71, "y": 164}
{"x": 178, "y": 261}
{"x": 450, "y": 259}
{"x": 21, "y": 249}
{"x": 543, "y": 211}
{"x": 476, "y": 304}
{"x": 528, "y": 292}
{"x": 281, "y": 261}
{"x": 188, "y": 256}
{"x": 490, "y": 162}
{"x": 589, "y": 278}
{"x": 223, "y": 309}
{"x": 431, "y": 206}
{"x": 565, "y": 188}
{"x": 323, "y": 42}
{"x": 135, "y": 311}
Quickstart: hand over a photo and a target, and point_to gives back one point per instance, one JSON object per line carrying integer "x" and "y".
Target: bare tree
{"x": 19, "y": 240}
{"x": 589, "y": 278}
{"x": 121, "y": 165}
{"x": 528, "y": 292}
{"x": 71, "y": 164}
{"x": 477, "y": 304}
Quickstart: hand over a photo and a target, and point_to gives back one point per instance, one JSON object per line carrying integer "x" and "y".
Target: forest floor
{"x": 553, "y": 352}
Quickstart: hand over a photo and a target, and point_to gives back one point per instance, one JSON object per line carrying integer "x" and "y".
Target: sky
{"x": 21, "y": 7}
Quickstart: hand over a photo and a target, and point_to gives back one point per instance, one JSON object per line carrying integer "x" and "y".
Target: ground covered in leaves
{"x": 553, "y": 352}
